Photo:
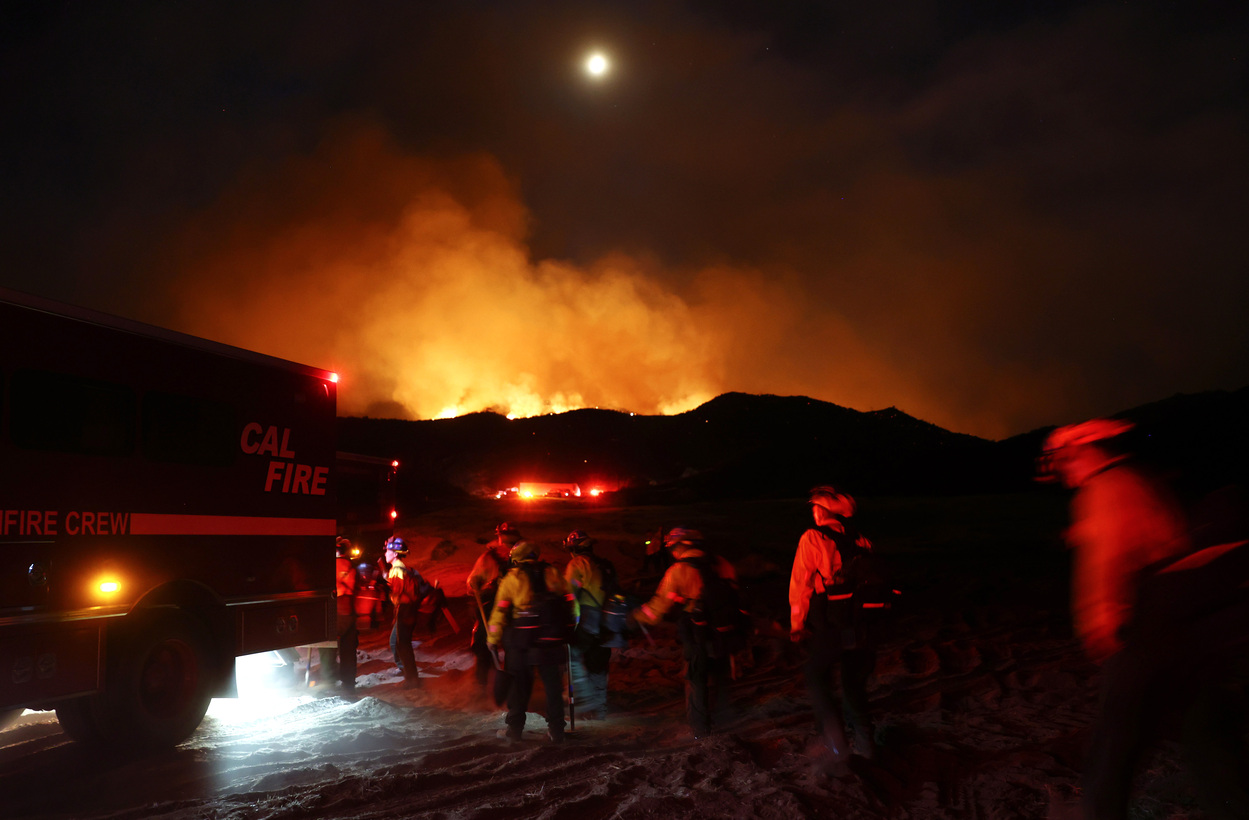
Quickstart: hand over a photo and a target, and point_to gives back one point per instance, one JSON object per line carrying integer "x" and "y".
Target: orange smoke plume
{"x": 411, "y": 278}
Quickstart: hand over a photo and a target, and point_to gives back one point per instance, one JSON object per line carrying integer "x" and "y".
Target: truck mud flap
{"x": 42, "y": 664}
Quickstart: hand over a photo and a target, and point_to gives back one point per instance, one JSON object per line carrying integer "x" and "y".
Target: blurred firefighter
{"x": 822, "y": 607}
{"x": 687, "y": 587}
{"x": 405, "y": 585}
{"x": 1169, "y": 623}
{"x": 532, "y": 620}
{"x": 593, "y": 583}
{"x": 339, "y": 665}
{"x": 483, "y": 584}
{"x": 658, "y": 556}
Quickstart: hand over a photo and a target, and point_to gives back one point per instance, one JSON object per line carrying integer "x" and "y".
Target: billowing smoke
{"x": 411, "y": 277}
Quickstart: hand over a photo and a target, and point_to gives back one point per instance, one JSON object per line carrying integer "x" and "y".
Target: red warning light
{"x": 394, "y": 514}
{"x": 394, "y": 465}
{"x": 334, "y": 378}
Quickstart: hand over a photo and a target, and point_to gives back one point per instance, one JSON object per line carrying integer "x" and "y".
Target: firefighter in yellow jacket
{"x": 819, "y": 565}
{"x": 681, "y": 591}
{"x": 532, "y": 620}
{"x": 482, "y": 585}
{"x": 405, "y": 585}
{"x": 589, "y": 657}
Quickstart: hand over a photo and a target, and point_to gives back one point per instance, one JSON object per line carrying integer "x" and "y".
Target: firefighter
{"x": 532, "y": 620}
{"x": 1167, "y": 623}
{"x": 837, "y": 648}
{"x": 682, "y": 590}
{"x": 340, "y": 665}
{"x": 405, "y": 584}
{"x": 483, "y": 583}
{"x": 592, "y": 581}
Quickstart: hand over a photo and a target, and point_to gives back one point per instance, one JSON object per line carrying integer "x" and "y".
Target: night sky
{"x": 993, "y": 216}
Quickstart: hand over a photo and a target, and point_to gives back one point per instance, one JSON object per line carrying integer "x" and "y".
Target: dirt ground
{"x": 981, "y": 697}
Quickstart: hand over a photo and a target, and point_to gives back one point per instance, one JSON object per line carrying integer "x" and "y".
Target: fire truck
{"x": 166, "y": 505}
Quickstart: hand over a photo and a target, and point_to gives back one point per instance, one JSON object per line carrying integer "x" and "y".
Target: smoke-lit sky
{"x": 992, "y": 215}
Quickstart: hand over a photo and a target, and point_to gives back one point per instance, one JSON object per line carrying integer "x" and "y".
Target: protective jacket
{"x": 817, "y": 565}
{"x": 404, "y": 583}
{"x": 345, "y": 578}
{"x": 516, "y": 593}
{"x": 682, "y": 586}
{"x": 586, "y": 579}
{"x": 483, "y": 578}
{"x": 1123, "y": 521}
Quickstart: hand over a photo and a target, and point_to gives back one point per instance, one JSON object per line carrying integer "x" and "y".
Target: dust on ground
{"x": 982, "y": 701}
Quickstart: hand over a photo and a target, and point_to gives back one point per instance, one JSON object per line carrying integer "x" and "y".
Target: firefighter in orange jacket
{"x": 404, "y": 582}
{"x": 1122, "y": 521}
{"x": 1126, "y": 529}
{"x": 482, "y": 585}
{"x": 340, "y": 665}
{"x": 818, "y": 565}
{"x": 522, "y": 650}
{"x": 680, "y": 590}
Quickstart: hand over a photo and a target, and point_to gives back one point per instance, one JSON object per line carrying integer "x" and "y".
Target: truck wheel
{"x": 158, "y": 691}
{"x": 77, "y": 719}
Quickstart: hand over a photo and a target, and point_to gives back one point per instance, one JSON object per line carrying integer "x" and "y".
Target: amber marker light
{"x": 107, "y": 587}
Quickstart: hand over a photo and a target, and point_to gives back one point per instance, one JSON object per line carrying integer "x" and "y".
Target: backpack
{"x": 604, "y": 620}
{"x": 719, "y": 621}
{"x": 860, "y": 604}
{"x": 413, "y": 582}
{"x": 547, "y": 620}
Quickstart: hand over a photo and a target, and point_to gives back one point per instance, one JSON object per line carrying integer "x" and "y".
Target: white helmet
{"x": 837, "y": 503}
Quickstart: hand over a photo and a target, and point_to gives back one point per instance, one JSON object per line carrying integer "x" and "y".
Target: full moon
{"x": 596, "y": 65}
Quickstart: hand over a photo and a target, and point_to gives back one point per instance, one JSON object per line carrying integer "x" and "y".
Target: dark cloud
{"x": 994, "y": 216}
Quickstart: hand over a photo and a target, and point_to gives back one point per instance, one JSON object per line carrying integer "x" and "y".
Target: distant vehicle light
{"x": 596, "y": 492}
{"x": 526, "y": 494}
{"x": 394, "y": 514}
{"x": 394, "y": 465}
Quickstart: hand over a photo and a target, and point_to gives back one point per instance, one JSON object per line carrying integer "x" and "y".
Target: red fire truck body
{"x": 166, "y": 504}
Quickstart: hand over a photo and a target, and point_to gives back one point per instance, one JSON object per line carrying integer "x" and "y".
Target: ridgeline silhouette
{"x": 748, "y": 446}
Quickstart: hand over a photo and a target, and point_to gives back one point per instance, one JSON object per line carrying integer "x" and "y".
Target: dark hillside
{"x": 744, "y": 446}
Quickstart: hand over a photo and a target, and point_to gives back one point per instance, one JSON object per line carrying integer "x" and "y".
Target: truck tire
{"x": 158, "y": 685}
{"x": 77, "y": 719}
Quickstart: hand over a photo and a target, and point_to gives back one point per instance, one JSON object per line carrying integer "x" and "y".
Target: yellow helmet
{"x": 523, "y": 551}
